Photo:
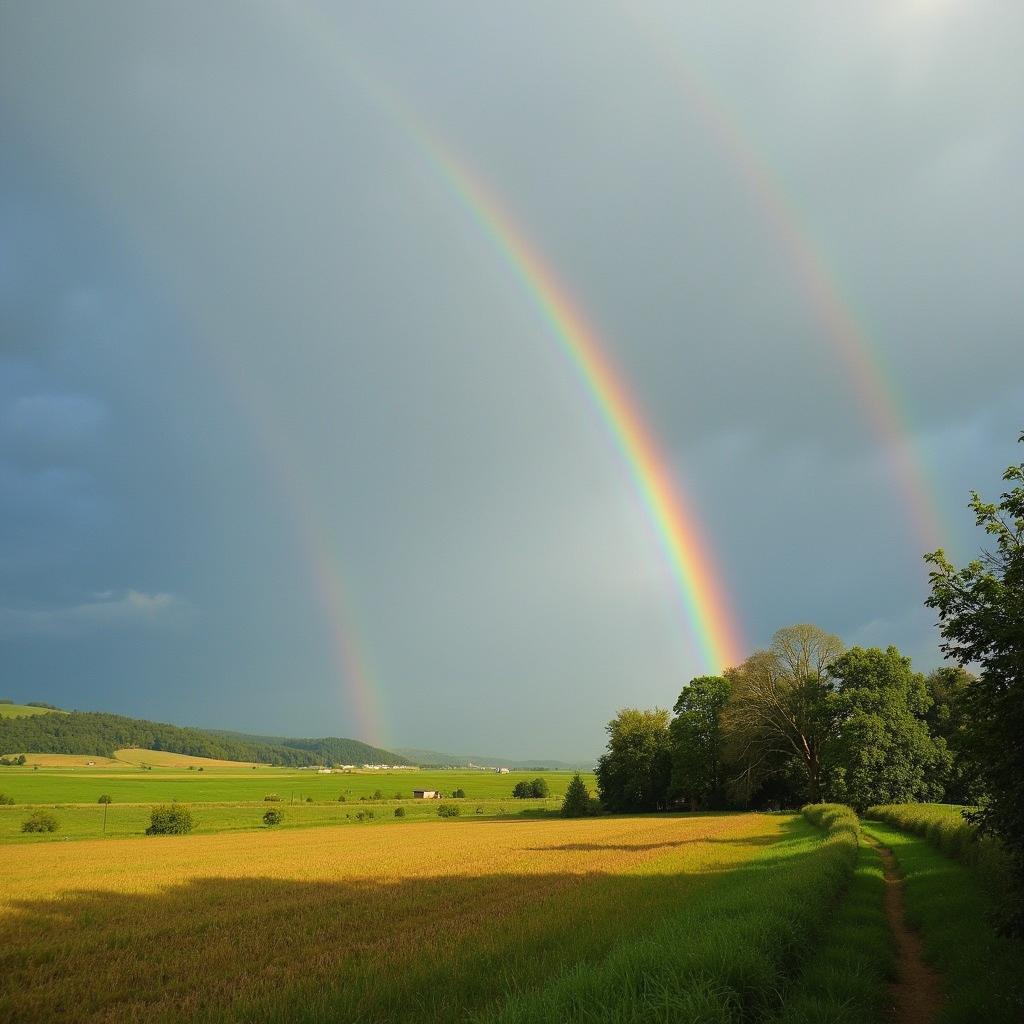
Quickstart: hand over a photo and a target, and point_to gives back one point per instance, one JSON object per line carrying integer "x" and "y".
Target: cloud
{"x": 102, "y": 611}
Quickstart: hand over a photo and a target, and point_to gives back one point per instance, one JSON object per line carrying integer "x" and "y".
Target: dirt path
{"x": 915, "y": 997}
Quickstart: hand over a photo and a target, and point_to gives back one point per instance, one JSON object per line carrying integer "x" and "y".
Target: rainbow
{"x": 871, "y": 381}
{"x": 709, "y": 619}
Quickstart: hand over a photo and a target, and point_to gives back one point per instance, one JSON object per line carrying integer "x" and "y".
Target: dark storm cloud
{"x": 245, "y": 325}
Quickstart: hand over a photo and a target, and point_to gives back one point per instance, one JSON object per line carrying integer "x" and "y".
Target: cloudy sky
{"x": 286, "y": 445}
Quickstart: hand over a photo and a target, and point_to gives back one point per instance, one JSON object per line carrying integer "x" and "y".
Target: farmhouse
{"x": 426, "y": 794}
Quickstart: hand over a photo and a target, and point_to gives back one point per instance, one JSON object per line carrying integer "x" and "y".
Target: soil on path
{"x": 915, "y": 997}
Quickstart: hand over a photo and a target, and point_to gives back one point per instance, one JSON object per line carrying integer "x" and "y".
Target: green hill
{"x": 8, "y": 709}
{"x": 49, "y": 731}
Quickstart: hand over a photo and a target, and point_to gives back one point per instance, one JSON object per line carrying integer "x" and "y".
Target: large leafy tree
{"x": 782, "y": 709}
{"x": 981, "y": 608}
{"x": 881, "y": 750}
{"x": 695, "y": 737}
{"x": 634, "y": 773}
{"x": 949, "y": 718}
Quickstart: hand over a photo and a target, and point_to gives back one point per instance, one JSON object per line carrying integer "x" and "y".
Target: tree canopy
{"x": 635, "y": 771}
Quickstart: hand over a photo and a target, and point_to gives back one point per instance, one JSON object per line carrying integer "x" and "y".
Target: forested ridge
{"x": 94, "y": 732}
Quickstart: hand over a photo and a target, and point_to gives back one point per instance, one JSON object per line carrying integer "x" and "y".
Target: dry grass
{"x": 71, "y": 761}
{"x": 415, "y": 923}
{"x": 165, "y": 759}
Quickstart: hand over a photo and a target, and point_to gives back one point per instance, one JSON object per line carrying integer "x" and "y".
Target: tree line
{"x": 806, "y": 720}
{"x": 98, "y": 733}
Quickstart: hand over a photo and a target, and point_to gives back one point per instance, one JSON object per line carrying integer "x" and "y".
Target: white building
{"x": 425, "y": 794}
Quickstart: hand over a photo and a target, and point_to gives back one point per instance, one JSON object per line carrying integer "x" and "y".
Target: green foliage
{"x": 273, "y": 817}
{"x": 378, "y": 794}
{"x": 577, "y": 799}
{"x": 539, "y": 788}
{"x": 696, "y": 741}
{"x": 104, "y": 799}
{"x": 949, "y": 719}
{"x": 271, "y": 798}
{"x": 880, "y": 750}
{"x": 981, "y": 608}
{"x": 41, "y": 704}
{"x": 459, "y": 794}
{"x": 89, "y": 732}
{"x": 448, "y": 810}
{"x": 525, "y": 790}
{"x": 634, "y": 773}
{"x": 40, "y": 821}
{"x": 399, "y": 812}
{"x": 342, "y": 798}
{"x": 5, "y": 799}
{"x": 11, "y": 762}
{"x": 170, "y": 820}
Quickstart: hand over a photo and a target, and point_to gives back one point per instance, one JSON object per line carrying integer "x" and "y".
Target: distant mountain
{"x": 93, "y": 732}
{"x": 436, "y": 757}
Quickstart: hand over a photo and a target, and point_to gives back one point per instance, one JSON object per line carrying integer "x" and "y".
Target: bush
{"x": 378, "y": 795}
{"x": 104, "y": 799}
{"x": 273, "y": 817}
{"x": 40, "y": 822}
{"x": 271, "y": 798}
{"x": 459, "y": 794}
{"x": 5, "y": 799}
{"x": 399, "y": 812}
{"x": 365, "y": 815}
{"x": 536, "y": 789}
{"x": 448, "y": 810}
{"x": 199, "y": 769}
{"x": 309, "y": 799}
{"x": 341, "y": 799}
{"x": 169, "y": 820}
{"x": 479, "y": 810}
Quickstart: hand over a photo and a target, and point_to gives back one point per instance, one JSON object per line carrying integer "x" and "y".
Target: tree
{"x": 695, "y": 738}
{"x": 539, "y": 788}
{"x": 273, "y": 817}
{"x": 634, "y": 773}
{"x": 949, "y": 719}
{"x": 577, "y": 799}
{"x": 782, "y": 711}
{"x": 981, "y": 609}
{"x": 40, "y": 821}
{"x": 522, "y": 790}
{"x": 881, "y": 751}
{"x": 169, "y": 820}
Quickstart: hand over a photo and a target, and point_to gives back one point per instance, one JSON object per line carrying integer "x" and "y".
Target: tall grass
{"x": 983, "y": 973}
{"x": 724, "y": 956}
{"x": 946, "y": 828}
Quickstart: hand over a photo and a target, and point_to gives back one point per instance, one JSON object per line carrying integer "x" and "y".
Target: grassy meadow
{"x": 230, "y": 797}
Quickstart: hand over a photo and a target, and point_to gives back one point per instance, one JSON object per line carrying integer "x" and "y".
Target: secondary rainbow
{"x": 877, "y": 393}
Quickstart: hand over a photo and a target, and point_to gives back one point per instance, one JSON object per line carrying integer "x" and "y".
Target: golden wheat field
{"x": 421, "y": 922}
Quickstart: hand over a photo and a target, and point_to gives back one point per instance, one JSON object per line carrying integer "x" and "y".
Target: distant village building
{"x": 323, "y": 771}
{"x": 425, "y": 794}
{"x": 501, "y": 771}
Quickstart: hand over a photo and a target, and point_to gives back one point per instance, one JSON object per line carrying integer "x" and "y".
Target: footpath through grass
{"x": 951, "y": 907}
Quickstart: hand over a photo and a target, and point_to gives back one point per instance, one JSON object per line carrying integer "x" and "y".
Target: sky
{"x": 289, "y": 444}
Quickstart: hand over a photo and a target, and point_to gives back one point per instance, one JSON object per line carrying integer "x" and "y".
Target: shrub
{"x": 539, "y": 787}
{"x": 341, "y": 799}
{"x": 40, "y": 822}
{"x": 309, "y": 799}
{"x": 273, "y": 817}
{"x": 169, "y": 820}
{"x": 448, "y": 810}
{"x": 271, "y": 798}
{"x": 399, "y": 812}
{"x": 378, "y": 795}
{"x": 459, "y": 794}
{"x": 200, "y": 768}
{"x": 104, "y": 799}
{"x": 479, "y": 810}
{"x": 5, "y": 799}
{"x": 364, "y": 815}
{"x": 398, "y": 796}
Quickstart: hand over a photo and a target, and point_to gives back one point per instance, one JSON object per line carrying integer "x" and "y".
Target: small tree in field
{"x": 399, "y": 812}
{"x": 577, "y": 799}
{"x": 539, "y": 788}
{"x": 169, "y": 820}
{"x": 273, "y": 817}
{"x": 448, "y": 810}
{"x": 104, "y": 799}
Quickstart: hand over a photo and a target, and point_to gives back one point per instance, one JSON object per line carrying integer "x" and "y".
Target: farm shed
{"x": 425, "y": 794}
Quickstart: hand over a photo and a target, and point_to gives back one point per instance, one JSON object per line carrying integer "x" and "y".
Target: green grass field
{"x": 22, "y": 710}
{"x": 234, "y": 785}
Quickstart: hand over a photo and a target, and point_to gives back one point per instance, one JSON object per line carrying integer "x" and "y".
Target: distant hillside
{"x": 436, "y": 757}
{"x": 8, "y": 709}
{"x": 92, "y": 732}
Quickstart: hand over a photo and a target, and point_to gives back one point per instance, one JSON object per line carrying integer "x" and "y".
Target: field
{"x": 21, "y": 710}
{"x": 229, "y": 797}
{"x": 427, "y": 922}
